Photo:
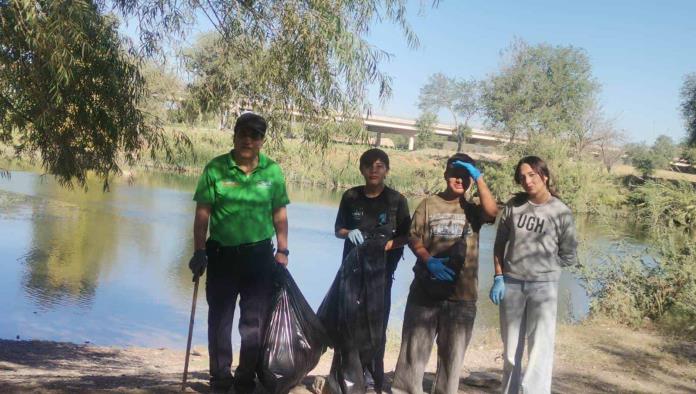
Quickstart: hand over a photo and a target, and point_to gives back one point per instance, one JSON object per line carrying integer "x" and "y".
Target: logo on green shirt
{"x": 229, "y": 184}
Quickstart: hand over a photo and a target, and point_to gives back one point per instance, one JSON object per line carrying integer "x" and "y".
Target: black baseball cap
{"x": 251, "y": 122}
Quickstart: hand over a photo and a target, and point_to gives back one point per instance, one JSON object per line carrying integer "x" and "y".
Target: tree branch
{"x": 217, "y": 26}
{"x": 13, "y": 108}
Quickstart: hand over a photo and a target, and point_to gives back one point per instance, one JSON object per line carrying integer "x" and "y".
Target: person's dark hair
{"x": 451, "y": 170}
{"x": 252, "y": 122}
{"x": 461, "y": 157}
{"x": 370, "y": 156}
{"x": 540, "y": 167}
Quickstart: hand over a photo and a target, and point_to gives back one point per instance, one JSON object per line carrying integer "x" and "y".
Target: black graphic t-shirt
{"x": 388, "y": 210}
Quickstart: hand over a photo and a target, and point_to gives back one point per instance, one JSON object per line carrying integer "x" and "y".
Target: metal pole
{"x": 190, "y": 331}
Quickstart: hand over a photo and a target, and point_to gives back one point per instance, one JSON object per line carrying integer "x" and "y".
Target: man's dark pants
{"x": 246, "y": 272}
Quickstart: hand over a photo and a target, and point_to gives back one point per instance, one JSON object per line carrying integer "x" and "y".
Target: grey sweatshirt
{"x": 540, "y": 239}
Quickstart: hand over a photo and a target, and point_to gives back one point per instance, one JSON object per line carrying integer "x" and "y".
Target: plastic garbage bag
{"x": 353, "y": 314}
{"x": 294, "y": 339}
{"x": 352, "y": 311}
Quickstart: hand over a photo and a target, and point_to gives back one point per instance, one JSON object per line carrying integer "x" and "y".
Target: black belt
{"x": 244, "y": 247}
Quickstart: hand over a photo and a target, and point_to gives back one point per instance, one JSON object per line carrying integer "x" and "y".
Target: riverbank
{"x": 413, "y": 173}
{"x": 596, "y": 356}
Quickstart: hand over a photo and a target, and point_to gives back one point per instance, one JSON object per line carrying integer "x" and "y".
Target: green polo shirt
{"x": 242, "y": 205}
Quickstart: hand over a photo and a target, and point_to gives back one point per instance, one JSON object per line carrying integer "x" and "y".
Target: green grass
{"x": 412, "y": 173}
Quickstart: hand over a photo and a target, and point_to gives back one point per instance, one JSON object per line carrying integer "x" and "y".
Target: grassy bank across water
{"x": 412, "y": 173}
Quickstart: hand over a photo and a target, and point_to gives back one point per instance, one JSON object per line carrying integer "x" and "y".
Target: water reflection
{"x": 70, "y": 246}
{"x": 111, "y": 268}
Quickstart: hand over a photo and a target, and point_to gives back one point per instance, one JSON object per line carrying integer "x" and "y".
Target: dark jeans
{"x": 376, "y": 366}
{"x": 245, "y": 272}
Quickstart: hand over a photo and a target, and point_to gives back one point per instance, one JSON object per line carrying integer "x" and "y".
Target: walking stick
{"x": 190, "y": 331}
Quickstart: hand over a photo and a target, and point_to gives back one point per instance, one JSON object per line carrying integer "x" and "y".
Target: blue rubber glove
{"x": 440, "y": 271}
{"x": 473, "y": 171}
{"x": 498, "y": 290}
{"x": 356, "y": 237}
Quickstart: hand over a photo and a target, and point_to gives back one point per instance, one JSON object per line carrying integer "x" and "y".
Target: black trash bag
{"x": 294, "y": 339}
{"x": 352, "y": 311}
{"x": 353, "y": 314}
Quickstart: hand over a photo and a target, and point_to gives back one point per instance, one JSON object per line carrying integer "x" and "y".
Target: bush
{"x": 658, "y": 282}
{"x": 580, "y": 181}
{"x": 664, "y": 207}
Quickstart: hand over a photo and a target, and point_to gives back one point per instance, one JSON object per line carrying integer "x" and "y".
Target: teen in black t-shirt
{"x": 371, "y": 207}
{"x": 358, "y": 211}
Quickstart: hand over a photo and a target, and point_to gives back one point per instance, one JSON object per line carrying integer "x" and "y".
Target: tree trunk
{"x": 456, "y": 130}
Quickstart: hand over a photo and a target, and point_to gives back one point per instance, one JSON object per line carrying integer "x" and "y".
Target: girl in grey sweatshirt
{"x": 535, "y": 239}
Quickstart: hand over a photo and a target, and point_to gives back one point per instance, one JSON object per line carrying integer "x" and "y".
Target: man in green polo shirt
{"x": 242, "y": 195}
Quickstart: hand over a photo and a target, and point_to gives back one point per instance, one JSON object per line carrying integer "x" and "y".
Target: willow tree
{"x": 307, "y": 60}
{"x": 71, "y": 88}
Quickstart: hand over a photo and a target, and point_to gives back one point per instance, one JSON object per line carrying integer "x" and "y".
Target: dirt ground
{"x": 590, "y": 357}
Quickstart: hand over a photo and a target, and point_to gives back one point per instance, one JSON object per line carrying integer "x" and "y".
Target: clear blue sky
{"x": 639, "y": 51}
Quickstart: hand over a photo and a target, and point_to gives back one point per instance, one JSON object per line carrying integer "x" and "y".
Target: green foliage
{"x": 165, "y": 92}
{"x": 645, "y": 163}
{"x": 664, "y": 207}
{"x": 426, "y": 130}
{"x": 540, "y": 89}
{"x": 631, "y": 285}
{"x": 69, "y": 90}
{"x": 689, "y": 155}
{"x": 322, "y": 133}
{"x": 688, "y": 107}
{"x": 581, "y": 182}
{"x": 464, "y": 132}
{"x": 658, "y": 283}
{"x": 278, "y": 58}
{"x": 648, "y": 159}
{"x": 400, "y": 141}
{"x": 664, "y": 150}
{"x": 72, "y": 89}
{"x": 461, "y": 98}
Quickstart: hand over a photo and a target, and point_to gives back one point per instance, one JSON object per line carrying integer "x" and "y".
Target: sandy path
{"x": 592, "y": 357}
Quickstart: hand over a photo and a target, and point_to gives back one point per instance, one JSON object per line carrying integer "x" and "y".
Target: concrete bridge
{"x": 390, "y": 125}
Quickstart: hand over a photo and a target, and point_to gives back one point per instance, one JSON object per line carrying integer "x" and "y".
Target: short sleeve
{"x": 418, "y": 224}
{"x": 280, "y": 193}
{"x": 403, "y": 218}
{"x": 205, "y": 190}
{"x": 341, "y": 215}
{"x": 474, "y": 214}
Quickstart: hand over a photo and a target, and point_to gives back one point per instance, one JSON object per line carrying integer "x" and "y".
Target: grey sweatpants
{"x": 452, "y": 322}
{"x": 528, "y": 311}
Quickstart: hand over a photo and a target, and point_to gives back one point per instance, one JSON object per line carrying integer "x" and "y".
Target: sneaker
{"x": 369, "y": 382}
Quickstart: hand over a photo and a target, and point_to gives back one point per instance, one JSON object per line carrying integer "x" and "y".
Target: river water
{"x": 111, "y": 268}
